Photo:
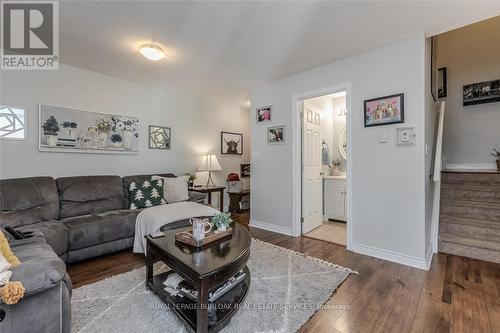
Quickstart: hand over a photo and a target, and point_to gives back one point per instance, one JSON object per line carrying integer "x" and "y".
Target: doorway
{"x": 322, "y": 151}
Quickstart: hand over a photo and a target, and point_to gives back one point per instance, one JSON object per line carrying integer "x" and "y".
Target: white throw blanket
{"x": 151, "y": 219}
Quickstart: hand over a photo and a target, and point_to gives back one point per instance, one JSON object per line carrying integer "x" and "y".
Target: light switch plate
{"x": 382, "y": 137}
{"x": 405, "y": 136}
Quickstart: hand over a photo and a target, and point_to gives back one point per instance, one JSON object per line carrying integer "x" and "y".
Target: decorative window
{"x": 12, "y": 123}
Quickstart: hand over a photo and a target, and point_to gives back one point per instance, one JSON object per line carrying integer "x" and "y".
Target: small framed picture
{"x": 231, "y": 143}
{"x": 442, "y": 85}
{"x": 275, "y": 135}
{"x": 384, "y": 110}
{"x": 264, "y": 114}
{"x": 160, "y": 137}
{"x": 245, "y": 170}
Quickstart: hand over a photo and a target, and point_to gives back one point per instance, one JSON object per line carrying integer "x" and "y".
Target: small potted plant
{"x": 221, "y": 221}
{"x": 335, "y": 168}
{"x": 70, "y": 129}
{"x": 496, "y": 153}
{"x": 116, "y": 140}
{"x": 191, "y": 178}
{"x": 50, "y": 129}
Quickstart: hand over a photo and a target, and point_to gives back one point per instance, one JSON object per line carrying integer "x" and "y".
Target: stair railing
{"x": 436, "y": 177}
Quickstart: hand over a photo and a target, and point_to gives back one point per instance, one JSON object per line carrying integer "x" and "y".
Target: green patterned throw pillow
{"x": 147, "y": 193}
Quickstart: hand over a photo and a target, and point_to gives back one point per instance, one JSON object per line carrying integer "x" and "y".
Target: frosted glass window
{"x": 11, "y": 123}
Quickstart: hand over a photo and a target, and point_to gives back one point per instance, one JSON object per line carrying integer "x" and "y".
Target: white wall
{"x": 388, "y": 187}
{"x": 471, "y": 54}
{"x": 196, "y": 125}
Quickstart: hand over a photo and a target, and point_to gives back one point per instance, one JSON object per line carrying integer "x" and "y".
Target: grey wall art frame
{"x": 231, "y": 143}
{"x": 76, "y": 131}
{"x": 160, "y": 137}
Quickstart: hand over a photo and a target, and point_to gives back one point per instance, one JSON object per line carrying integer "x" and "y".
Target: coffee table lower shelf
{"x": 220, "y": 311}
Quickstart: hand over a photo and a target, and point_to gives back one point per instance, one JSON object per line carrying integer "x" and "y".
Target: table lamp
{"x": 209, "y": 163}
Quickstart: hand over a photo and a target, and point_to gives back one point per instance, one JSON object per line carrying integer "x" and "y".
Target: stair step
{"x": 468, "y": 231}
{"x": 469, "y": 194}
{"x": 470, "y": 210}
{"x": 469, "y": 252}
{"x": 471, "y": 179}
{"x": 471, "y": 242}
{"x": 469, "y": 222}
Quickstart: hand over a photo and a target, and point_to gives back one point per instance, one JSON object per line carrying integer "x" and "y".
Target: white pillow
{"x": 4, "y": 264}
{"x": 174, "y": 189}
{"x": 5, "y": 277}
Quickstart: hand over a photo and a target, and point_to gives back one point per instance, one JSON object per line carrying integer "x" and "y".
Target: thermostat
{"x": 405, "y": 136}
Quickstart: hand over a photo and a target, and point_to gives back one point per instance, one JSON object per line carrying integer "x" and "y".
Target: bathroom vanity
{"x": 334, "y": 196}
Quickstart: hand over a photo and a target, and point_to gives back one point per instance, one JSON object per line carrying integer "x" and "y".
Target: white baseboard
{"x": 422, "y": 263}
{"x": 271, "y": 227}
{"x": 470, "y": 166}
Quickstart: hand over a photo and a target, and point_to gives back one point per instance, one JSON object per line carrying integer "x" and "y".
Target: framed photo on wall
{"x": 160, "y": 137}
{"x": 481, "y": 93}
{"x": 231, "y": 143}
{"x": 264, "y": 114}
{"x": 276, "y": 135}
{"x": 442, "y": 84}
{"x": 384, "y": 110}
{"x": 245, "y": 170}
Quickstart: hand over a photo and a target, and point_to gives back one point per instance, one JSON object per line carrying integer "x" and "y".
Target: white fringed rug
{"x": 286, "y": 289}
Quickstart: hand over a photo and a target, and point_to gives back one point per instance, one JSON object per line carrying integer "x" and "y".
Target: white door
{"x": 312, "y": 180}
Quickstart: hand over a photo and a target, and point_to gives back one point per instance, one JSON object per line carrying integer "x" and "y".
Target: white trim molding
{"x": 470, "y": 166}
{"x": 296, "y": 131}
{"x": 400, "y": 258}
{"x": 271, "y": 227}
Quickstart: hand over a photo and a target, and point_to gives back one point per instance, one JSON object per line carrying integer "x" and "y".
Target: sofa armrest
{"x": 36, "y": 237}
{"x": 40, "y": 268}
{"x": 197, "y": 197}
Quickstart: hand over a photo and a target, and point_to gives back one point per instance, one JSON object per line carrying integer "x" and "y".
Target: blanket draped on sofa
{"x": 151, "y": 219}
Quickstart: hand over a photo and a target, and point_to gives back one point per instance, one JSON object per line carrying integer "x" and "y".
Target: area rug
{"x": 286, "y": 289}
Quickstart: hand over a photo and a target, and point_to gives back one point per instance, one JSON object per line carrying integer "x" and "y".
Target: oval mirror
{"x": 343, "y": 143}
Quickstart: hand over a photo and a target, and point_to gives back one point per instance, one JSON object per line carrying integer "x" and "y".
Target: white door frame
{"x": 297, "y": 127}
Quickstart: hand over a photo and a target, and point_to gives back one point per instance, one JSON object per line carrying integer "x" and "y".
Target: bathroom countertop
{"x": 340, "y": 177}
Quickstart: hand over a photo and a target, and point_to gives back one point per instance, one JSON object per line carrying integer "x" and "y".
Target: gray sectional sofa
{"x": 72, "y": 219}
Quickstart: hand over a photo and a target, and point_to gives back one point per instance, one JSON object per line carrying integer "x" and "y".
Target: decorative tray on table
{"x": 187, "y": 237}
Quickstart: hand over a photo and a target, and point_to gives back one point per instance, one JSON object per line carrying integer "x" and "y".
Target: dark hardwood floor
{"x": 456, "y": 295}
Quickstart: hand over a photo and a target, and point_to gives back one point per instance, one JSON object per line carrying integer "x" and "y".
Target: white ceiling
{"x": 220, "y": 50}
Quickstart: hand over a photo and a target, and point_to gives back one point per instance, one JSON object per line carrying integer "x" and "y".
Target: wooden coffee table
{"x": 206, "y": 268}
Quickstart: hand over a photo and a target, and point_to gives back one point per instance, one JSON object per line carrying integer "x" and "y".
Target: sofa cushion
{"x": 90, "y": 230}
{"x": 28, "y": 200}
{"x": 89, "y": 195}
{"x": 55, "y": 233}
{"x": 40, "y": 268}
{"x": 139, "y": 178}
{"x": 147, "y": 193}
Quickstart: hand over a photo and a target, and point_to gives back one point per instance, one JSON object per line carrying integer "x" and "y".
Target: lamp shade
{"x": 209, "y": 163}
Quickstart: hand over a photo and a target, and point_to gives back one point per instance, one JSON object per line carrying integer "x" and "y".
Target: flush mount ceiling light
{"x": 152, "y": 52}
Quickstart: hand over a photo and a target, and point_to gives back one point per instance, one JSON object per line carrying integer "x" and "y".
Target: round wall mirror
{"x": 343, "y": 143}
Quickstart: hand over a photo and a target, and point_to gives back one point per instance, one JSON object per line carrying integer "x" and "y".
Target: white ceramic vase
{"x": 127, "y": 137}
{"x": 103, "y": 139}
{"x": 51, "y": 140}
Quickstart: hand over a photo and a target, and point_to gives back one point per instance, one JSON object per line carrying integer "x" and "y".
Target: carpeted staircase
{"x": 469, "y": 223}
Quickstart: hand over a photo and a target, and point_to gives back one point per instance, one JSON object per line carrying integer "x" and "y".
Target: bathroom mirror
{"x": 343, "y": 143}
